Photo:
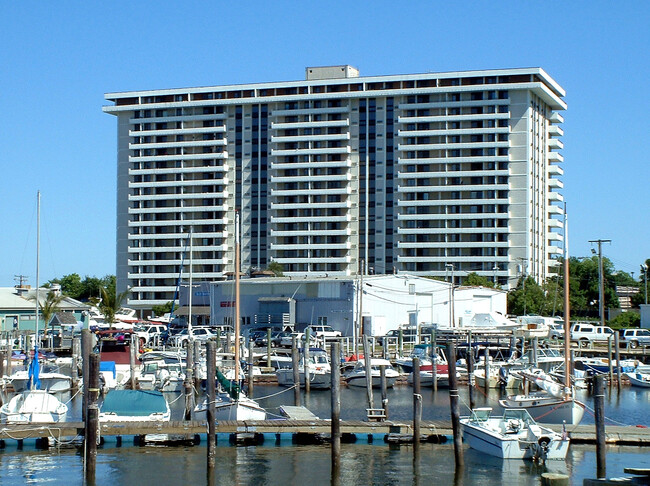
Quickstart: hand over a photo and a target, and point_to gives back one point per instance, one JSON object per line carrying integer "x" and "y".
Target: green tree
{"x": 475, "y": 280}
{"x": 626, "y": 319}
{"x": 527, "y": 298}
{"x": 49, "y": 306}
{"x": 276, "y": 268}
{"x": 159, "y": 310}
{"x": 111, "y": 303}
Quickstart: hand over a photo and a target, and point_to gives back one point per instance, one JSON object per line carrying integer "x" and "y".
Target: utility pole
{"x": 21, "y": 279}
{"x": 601, "y": 280}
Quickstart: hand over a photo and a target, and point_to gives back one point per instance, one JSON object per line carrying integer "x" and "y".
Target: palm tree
{"x": 111, "y": 303}
{"x": 49, "y": 307}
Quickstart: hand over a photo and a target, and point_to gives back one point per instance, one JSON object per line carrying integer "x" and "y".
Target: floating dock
{"x": 299, "y": 431}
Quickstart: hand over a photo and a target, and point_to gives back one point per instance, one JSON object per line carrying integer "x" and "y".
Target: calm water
{"x": 362, "y": 463}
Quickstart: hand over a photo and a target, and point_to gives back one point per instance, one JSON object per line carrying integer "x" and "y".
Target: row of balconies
{"x": 311, "y": 124}
{"x": 155, "y": 158}
{"x": 346, "y": 163}
{"x": 455, "y": 131}
{"x": 311, "y": 151}
{"x": 178, "y": 209}
{"x": 178, "y": 118}
{"x": 451, "y": 104}
{"x": 220, "y": 142}
{"x": 199, "y": 182}
{"x": 448, "y": 118}
{"x": 177, "y": 131}
{"x": 451, "y": 145}
{"x": 310, "y": 138}
{"x": 181, "y": 170}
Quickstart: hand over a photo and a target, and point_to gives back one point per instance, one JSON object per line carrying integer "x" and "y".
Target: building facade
{"x": 437, "y": 174}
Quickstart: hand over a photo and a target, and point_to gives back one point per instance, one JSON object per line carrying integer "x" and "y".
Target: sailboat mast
{"x": 567, "y": 309}
{"x": 38, "y": 253}
{"x": 189, "y": 305}
{"x": 237, "y": 318}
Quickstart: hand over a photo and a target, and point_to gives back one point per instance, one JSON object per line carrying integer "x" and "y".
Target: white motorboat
{"x": 232, "y": 408}
{"x": 554, "y": 405}
{"x": 50, "y": 381}
{"x": 33, "y": 407}
{"x": 515, "y": 435}
{"x": 319, "y": 371}
{"x": 420, "y": 351}
{"x": 162, "y": 371}
{"x": 639, "y": 379}
{"x": 357, "y": 377}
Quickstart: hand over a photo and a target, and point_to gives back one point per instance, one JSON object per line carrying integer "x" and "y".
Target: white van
{"x": 585, "y": 333}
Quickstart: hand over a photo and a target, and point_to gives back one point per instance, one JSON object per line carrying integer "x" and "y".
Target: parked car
{"x": 198, "y": 333}
{"x": 588, "y": 333}
{"x": 286, "y": 341}
{"x": 323, "y": 331}
{"x": 408, "y": 336}
{"x": 147, "y": 334}
{"x": 634, "y": 337}
{"x": 276, "y": 338}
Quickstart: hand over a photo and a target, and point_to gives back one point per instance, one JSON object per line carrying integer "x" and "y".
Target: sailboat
{"x": 231, "y": 403}
{"x": 558, "y": 404}
{"x": 33, "y": 406}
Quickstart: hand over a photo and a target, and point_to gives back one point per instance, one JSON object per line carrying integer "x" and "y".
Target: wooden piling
{"x": 305, "y": 365}
{"x": 384, "y": 390}
{"x": 368, "y": 365}
{"x": 336, "y": 408}
{"x": 534, "y": 351}
{"x": 250, "y": 368}
{"x": 211, "y": 362}
{"x": 487, "y": 369}
{"x": 599, "y": 415}
{"x": 434, "y": 361}
{"x": 296, "y": 371}
{"x": 470, "y": 370}
{"x": 617, "y": 348}
{"x": 268, "y": 347}
{"x": 197, "y": 367}
{"x": 10, "y": 348}
{"x": 133, "y": 348}
{"x": 453, "y": 402}
{"x": 86, "y": 349}
{"x": 92, "y": 419}
{"x": 417, "y": 404}
{"x": 189, "y": 377}
{"x": 76, "y": 356}
{"x": 609, "y": 360}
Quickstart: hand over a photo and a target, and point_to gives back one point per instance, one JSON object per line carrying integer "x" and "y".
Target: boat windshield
{"x": 481, "y": 414}
{"x": 518, "y": 414}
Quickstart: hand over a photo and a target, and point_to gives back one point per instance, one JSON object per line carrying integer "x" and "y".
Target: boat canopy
{"x": 134, "y": 403}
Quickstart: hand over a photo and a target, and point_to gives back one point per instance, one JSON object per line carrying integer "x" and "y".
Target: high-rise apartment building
{"x": 438, "y": 174}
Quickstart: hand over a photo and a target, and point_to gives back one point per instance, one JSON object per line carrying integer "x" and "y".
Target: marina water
{"x": 374, "y": 463}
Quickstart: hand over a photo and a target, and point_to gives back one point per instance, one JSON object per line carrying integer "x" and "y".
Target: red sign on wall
{"x": 228, "y": 303}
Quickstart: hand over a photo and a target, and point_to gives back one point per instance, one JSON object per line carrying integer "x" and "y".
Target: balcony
{"x": 556, "y": 118}
{"x": 311, "y": 151}
{"x": 554, "y": 157}
{"x": 555, "y": 144}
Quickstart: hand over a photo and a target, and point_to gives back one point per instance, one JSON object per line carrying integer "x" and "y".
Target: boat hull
{"x": 360, "y": 380}
{"x": 513, "y": 447}
{"x": 33, "y": 407}
{"x": 639, "y": 379}
{"x": 317, "y": 380}
{"x": 547, "y": 410}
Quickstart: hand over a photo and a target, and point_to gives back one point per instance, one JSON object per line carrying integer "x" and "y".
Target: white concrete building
{"x": 436, "y": 174}
{"x": 387, "y": 302}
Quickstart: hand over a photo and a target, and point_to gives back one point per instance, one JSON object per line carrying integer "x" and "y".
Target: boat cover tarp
{"x": 108, "y": 366}
{"x": 134, "y": 403}
{"x": 34, "y": 382}
{"x": 231, "y": 387}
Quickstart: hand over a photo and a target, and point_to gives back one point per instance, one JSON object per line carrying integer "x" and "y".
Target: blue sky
{"x": 58, "y": 59}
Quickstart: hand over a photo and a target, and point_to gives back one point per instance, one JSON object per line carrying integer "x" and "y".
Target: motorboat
{"x": 134, "y": 406}
{"x": 639, "y": 379}
{"x": 515, "y": 435}
{"x": 420, "y": 351}
{"x": 596, "y": 366}
{"x": 357, "y": 377}
{"x": 227, "y": 407}
{"x": 162, "y": 371}
{"x": 426, "y": 375}
{"x": 554, "y": 405}
{"x": 319, "y": 371}
{"x": 51, "y": 381}
{"x": 33, "y": 407}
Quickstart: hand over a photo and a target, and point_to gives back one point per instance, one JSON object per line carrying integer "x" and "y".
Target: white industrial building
{"x": 387, "y": 302}
{"x": 338, "y": 174}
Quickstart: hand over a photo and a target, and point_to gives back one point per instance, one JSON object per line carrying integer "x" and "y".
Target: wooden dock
{"x": 304, "y": 431}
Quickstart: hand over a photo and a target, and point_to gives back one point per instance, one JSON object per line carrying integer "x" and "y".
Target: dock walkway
{"x": 432, "y": 431}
